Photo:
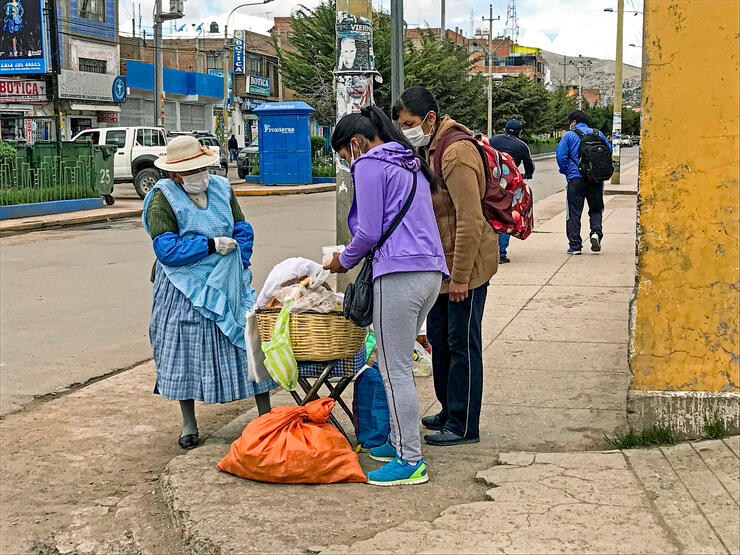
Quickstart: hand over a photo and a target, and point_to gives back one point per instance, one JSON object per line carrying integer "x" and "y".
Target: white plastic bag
{"x": 285, "y": 271}
{"x": 257, "y": 371}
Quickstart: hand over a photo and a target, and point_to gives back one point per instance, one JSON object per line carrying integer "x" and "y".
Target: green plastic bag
{"x": 370, "y": 343}
{"x": 279, "y": 359}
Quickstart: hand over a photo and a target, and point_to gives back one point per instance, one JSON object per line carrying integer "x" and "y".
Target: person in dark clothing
{"x": 579, "y": 189}
{"x": 511, "y": 144}
{"x": 233, "y": 147}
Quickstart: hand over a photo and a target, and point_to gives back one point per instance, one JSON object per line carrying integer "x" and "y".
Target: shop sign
{"x": 29, "y": 131}
{"x": 22, "y": 91}
{"x": 239, "y": 52}
{"x": 251, "y": 103}
{"x": 107, "y": 117}
{"x": 80, "y": 85}
{"x": 258, "y": 85}
{"x": 23, "y": 45}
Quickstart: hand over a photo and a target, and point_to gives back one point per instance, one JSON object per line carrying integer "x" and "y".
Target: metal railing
{"x": 51, "y": 178}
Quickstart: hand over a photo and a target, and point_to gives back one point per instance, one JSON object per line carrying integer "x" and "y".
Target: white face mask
{"x": 195, "y": 183}
{"x": 416, "y": 135}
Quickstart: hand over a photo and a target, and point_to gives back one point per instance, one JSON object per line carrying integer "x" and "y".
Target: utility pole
{"x": 442, "y": 24}
{"x": 564, "y": 63}
{"x": 490, "y": 67}
{"x": 158, "y": 66}
{"x": 617, "y": 119}
{"x": 581, "y": 65}
{"x": 225, "y": 57}
{"x": 55, "y": 70}
{"x": 354, "y": 90}
{"x": 397, "y": 77}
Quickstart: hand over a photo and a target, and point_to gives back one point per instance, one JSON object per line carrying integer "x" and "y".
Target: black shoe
{"x": 433, "y": 422}
{"x": 446, "y": 437}
{"x": 503, "y": 259}
{"x": 189, "y": 441}
{"x": 595, "y": 242}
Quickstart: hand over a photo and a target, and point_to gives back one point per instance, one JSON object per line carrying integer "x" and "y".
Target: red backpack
{"x": 508, "y": 204}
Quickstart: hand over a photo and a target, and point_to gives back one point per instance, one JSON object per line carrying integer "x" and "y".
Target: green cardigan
{"x": 161, "y": 218}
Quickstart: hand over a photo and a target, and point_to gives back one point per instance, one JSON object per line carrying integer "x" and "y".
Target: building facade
{"x": 89, "y": 63}
{"x": 193, "y": 101}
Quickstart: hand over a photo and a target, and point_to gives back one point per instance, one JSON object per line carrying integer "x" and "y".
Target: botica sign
{"x": 97, "y": 87}
{"x": 22, "y": 91}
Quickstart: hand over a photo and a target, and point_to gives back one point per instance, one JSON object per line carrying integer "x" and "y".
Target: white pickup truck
{"x": 138, "y": 147}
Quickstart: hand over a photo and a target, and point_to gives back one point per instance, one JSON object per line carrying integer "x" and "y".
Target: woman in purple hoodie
{"x": 408, "y": 271}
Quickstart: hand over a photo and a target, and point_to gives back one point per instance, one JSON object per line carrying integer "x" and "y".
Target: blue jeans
{"x": 234, "y": 152}
{"x": 503, "y": 243}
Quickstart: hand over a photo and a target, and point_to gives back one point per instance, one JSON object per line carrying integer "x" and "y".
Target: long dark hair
{"x": 416, "y": 100}
{"x": 372, "y": 123}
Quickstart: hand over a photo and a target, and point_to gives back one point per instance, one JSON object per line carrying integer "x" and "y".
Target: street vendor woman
{"x": 202, "y": 286}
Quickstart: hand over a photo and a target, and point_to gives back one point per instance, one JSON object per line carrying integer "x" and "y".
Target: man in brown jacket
{"x": 471, "y": 249}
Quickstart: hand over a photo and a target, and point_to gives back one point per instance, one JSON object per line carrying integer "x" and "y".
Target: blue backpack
{"x": 370, "y": 408}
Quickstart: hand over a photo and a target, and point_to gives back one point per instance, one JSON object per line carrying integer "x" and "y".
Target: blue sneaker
{"x": 398, "y": 472}
{"x": 384, "y": 453}
{"x": 571, "y": 250}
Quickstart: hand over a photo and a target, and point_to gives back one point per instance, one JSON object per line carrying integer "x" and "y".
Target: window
{"x": 254, "y": 65}
{"x": 150, "y": 137}
{"x": 117, "y": 138}
{"x": 92, "y": 66}
{"x": 92, "y": 9}
{"x": 93, "y": 136}
{"x": 214, "y": 61}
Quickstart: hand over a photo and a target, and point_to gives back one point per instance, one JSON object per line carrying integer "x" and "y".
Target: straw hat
{"x": 185, "y": 153}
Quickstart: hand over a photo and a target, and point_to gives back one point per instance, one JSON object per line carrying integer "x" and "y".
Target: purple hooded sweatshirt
{"x": 383, "y": 179}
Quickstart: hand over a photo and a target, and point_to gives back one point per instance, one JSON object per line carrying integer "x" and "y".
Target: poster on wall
{"x": 354, "y": 44}
{"x": 239, "y": 52}
{"x": 353, "y": 94}
{"x": 22, "y": 44}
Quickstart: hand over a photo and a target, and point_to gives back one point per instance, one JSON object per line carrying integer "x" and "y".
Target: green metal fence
{"x": 542, "y": 148}
{"x": 38, "y": 174}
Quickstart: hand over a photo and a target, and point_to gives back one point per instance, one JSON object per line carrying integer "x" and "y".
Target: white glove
{"x": 224, "y": 245}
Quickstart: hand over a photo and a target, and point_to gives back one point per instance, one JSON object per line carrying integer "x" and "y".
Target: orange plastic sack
{"x": 294, "y": 445}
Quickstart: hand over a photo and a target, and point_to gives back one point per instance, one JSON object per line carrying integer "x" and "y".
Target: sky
{"x": 570, "y": 27}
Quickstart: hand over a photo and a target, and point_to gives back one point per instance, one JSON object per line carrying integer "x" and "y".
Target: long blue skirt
{"x": 194, "y": 359}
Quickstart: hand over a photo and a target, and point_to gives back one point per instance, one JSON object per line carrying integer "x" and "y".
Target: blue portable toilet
{"x": 285, "y": 143}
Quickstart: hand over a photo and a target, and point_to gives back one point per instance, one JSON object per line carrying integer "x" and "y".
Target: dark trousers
{"x": 580, "y": 190}
{"x": 454, "y": 330}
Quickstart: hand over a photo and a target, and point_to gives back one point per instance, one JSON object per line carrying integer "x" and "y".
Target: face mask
{"x": 352, "y": 154}
{"x": 416, "y": 135}
{"x": 195, "y": 183}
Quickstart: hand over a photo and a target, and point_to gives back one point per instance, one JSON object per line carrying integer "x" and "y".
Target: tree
{"x": 308, "y": 68}
{"x": 560, "y": 106}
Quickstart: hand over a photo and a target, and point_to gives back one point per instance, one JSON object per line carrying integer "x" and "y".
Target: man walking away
{"x": 511, "y": 144}
{"x": 233, "y": 147}
{"x": 584, "y": 157}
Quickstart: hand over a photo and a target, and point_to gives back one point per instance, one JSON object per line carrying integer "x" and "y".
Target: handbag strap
{"x": 396, "y": 220}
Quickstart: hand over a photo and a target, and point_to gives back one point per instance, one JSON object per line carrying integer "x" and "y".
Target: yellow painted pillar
{"x": 685, "y": 355}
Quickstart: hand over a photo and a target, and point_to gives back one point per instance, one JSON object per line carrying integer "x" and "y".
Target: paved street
{"x": 76, "y": 302}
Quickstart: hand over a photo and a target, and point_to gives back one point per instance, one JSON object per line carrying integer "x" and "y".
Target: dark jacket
{"x": 233, "y": 143}
{"x": 517, "y": 149}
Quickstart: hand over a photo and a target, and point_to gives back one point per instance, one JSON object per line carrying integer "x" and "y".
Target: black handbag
{"x": 358, "y": 298}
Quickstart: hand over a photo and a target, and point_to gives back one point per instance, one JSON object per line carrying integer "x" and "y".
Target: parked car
{"x": 626, "y": 140}
{"x": 636, "y": 139}
{"x": 137, "y": 149}
{"x": 246, "y": 157}
{"x": 209, "y": 140}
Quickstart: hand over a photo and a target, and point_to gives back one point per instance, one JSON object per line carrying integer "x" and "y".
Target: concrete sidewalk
{"x": 556, "y": 378}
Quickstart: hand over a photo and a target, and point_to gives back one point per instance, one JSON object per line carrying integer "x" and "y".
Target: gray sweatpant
{"x": 401, "y": 303}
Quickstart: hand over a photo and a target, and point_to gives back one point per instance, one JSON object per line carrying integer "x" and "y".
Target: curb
{"x": 283, "y": 191}
{"x": 86, "y": 219}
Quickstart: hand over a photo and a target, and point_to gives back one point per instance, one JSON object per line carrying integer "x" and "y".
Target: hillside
{"x": 599, "y": 76}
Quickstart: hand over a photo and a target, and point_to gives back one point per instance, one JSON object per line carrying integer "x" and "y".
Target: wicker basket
{"x": 316, "y": 337}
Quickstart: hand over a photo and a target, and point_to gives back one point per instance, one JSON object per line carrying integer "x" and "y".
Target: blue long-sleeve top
{"x": 567, "y": 151}
{"x": 173, "y": 250}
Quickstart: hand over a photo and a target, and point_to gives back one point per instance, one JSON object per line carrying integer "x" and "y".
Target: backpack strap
{"x": 578, "y": 132}
{"x": 444, "y": 143}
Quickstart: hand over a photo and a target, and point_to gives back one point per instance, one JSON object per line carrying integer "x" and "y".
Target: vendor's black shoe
{"x": 189, "y": 441}
{"x": 446, "y": 437}
{"x": 433, "y": 422}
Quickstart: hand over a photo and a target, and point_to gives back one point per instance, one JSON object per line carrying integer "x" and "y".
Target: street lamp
{"x": 226, "y": 59}
{"x": 624, "y": 11}
{"x": 633, "y": 45}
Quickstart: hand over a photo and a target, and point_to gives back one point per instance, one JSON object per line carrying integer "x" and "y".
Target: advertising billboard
{"x": 258, "y": 85}
{"x": 239, "y": 52}
{"x": 22, "y": 43}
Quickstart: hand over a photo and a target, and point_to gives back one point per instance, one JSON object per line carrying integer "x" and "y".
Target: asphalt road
{"x": 76, "y": 302}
